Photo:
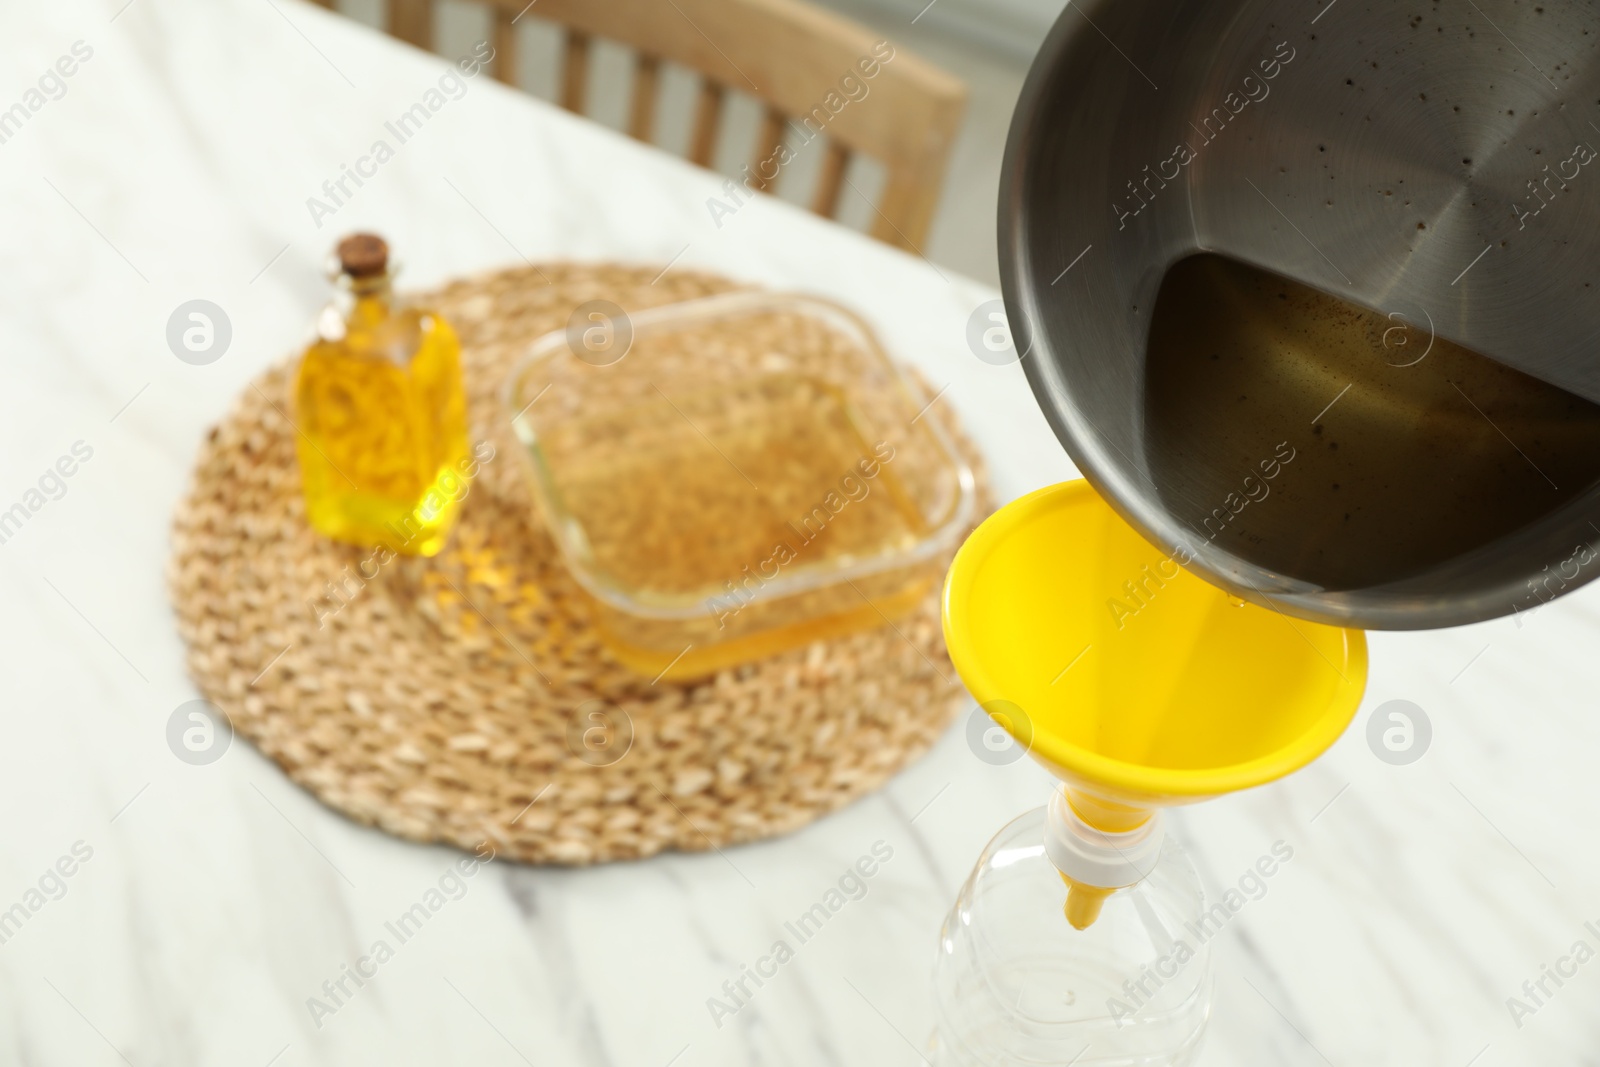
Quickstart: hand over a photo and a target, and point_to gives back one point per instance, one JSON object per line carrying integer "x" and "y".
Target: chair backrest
{"x": 803, "y": 63}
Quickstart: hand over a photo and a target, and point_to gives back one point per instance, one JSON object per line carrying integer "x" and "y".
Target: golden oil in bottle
{"x": 381, "y": 414}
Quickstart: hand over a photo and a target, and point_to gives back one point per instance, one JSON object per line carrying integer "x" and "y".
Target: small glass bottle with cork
{"x": 381, "y": 410}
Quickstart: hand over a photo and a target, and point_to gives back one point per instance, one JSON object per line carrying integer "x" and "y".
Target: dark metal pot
{"x": 1307, "y": 290}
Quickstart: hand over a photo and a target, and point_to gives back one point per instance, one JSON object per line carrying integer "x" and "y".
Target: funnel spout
{"x": 1083, "y": 903}
{"x": 1108, "y": 816}
{"x": 1113, "y": 820}
{"x": 1094, "y": 862}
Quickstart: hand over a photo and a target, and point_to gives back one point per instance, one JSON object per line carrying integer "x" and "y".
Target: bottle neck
{"x": 1092, "y": 856}
{"x": 365, "y": 299}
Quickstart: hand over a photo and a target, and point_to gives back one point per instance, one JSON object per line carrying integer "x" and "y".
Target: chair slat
{"x": 763, "y": 167}
{"x": 707, "y": 120}
{"x": 646, "y": 88}
{"x": 505, "y": 46}
{"x": 825, "y": 198}
{"x": 905, "y": 209}
{"x": 412, "y": 21}
{"x": 575, "y": 72}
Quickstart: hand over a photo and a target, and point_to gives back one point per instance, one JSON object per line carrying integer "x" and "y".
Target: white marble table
{"x": 217, "y": 899}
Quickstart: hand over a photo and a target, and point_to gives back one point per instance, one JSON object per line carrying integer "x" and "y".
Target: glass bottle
{"x": 381, "y": 413}
{"x": 1120, "y": 977}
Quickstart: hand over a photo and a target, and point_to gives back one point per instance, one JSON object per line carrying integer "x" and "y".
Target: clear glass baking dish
{"x": 735, "y": 476}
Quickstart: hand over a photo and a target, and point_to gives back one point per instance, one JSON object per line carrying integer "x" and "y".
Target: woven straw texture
{"x": 456, "y": 699}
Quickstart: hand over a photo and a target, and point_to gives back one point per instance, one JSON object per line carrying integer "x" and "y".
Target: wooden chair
{"x": 786, "y": 53}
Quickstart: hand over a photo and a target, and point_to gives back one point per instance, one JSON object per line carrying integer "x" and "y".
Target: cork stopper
{"x": 363, "y": 255}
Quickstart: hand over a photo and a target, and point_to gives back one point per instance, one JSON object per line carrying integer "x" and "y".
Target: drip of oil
{"x": 382, "y": 414}
{"x": 692, "y": 493}
{"x": 1340, "y": 446}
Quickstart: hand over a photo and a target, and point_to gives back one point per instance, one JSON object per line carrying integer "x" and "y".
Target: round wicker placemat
{"x": 456, "y": 699}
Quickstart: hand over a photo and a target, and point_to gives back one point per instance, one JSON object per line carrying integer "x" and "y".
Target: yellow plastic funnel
{"x": 1135, "y": 682}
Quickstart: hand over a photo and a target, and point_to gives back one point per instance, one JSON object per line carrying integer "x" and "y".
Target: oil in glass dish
{"x": 749, "y": 476}
{"x": 721, "y": 491}
{"x": 382, "y": 414}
